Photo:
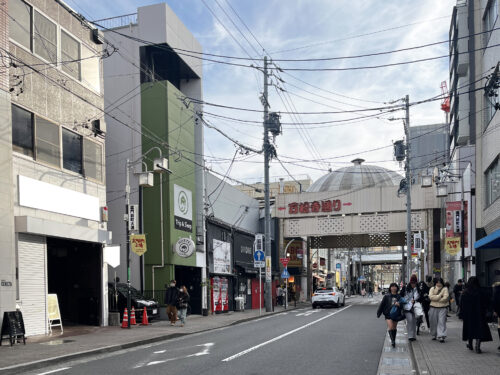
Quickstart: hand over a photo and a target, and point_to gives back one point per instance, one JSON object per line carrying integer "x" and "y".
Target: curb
{"x": 419, "y": 359}
{"x": 21, "y": 368}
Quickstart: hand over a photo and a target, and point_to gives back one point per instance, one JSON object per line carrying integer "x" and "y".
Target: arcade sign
{"x": 314, "y": 207}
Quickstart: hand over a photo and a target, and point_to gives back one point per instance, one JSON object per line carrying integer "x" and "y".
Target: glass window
{"x": 45, "y": 38}
{"x": 491, "y": 17}
{"x": 20, "y": 22}
{"x": 90, "y": 69}
{"x": 492, "y": 183}
{"x": 22, "y": 131}
{"x": 92, "y": 159}
{"x": 47, "y": 142}
{"x": 70, "y": 51}
{"x": 72, "y": 151}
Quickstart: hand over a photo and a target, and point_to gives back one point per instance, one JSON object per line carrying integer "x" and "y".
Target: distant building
{"x": 429, "y": 148}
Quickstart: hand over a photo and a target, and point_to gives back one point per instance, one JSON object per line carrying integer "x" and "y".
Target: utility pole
{"x": 127, "y": 231}
{"x": 408, "y": 189}
{"x": 267, "y": 209}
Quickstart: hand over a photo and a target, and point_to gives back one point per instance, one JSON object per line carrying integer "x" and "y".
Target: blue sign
{"x": 285, "y": 274}
{"x": 259, "y": 256}
{"x": 361, "y": 278}
{"x": 339, "y": 266}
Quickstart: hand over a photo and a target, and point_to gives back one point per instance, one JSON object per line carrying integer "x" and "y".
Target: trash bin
{"x": 240, "y": 303}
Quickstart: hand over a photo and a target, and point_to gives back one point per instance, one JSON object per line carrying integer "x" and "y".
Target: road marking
{"x": 205, "y": 351}
{"x": 281, "y": 336}
{"x": 160, "y": 352}
{"x": 307, "y": 313}
{"x": 57, "y": 370}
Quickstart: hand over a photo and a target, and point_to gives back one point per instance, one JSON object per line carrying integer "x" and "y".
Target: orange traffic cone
{"x": 132, "y": 317}
{"x": 125, "y": 319}
{"x": 145, "y": 318}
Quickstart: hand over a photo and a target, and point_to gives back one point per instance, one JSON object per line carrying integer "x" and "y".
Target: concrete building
{"x": 475, "y": 139}
{"x": 53, "y": 190}
{"x": 146, "y": 84}
{"x": 429, "y": 148}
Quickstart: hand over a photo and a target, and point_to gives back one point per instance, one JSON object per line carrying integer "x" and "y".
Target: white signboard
{"x": 184, "y": 247}
{"x": 112, "y": 255}
{"x": 48, "y": 197}
{"x": 222, "y": 257}
{"x": 133, "y": 214}
{"x": 183, "y": 209}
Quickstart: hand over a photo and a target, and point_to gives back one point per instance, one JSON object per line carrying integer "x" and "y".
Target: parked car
{"x": 328, "y": 297}
{"x": 118, "y": 302}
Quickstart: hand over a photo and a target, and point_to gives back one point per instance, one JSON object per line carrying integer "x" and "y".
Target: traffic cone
{"x": 132, "y": 317}
{"x": 145, "y": 318}
{"x": 125, "y": 319}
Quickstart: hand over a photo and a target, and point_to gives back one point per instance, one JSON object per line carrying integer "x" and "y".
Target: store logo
{"x": 184, "y": 247}
{"x": 183, "y": 202}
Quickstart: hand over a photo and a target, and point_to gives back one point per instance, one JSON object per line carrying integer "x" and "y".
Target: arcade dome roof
{"x": 354, "y": 177}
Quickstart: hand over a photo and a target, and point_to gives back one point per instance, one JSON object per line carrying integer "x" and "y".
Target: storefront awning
{"x": 491, "y": 241}
{"x": 321, "y": 279}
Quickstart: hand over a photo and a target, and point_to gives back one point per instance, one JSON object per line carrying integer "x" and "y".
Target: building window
{"x": 491, "y": 17}
{"x": 492, "y": 175}
{"x": 47, "y": 142}
{"x": 70, "y": 51}
{"x": 72, "y": 151}
{"x": 92, "y": 159}
{"x": 22, "y": 131}
{"x": 20, "y": 22}
{"x": 45, "y": 38}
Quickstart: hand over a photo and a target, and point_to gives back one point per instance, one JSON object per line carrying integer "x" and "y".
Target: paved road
{"x": 321, "y": 341}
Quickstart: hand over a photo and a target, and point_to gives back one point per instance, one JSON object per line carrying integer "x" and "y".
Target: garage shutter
{"x": 33, "y": 282}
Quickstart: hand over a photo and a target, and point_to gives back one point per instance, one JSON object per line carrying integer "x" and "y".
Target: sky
{"x": 311, "y": 29}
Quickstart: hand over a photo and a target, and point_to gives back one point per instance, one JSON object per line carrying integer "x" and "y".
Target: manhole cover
{"x": 57, "y": 342}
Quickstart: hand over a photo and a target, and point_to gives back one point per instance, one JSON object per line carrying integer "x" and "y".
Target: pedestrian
{"x": 370, "y": 291}
{"x": 423, "y": 292}
{"x": 363, "y": 292}
{"x": 390, "y": 300}
{"x": 496, "y": 305}
{"x": 439, "y": 296}
{"x": 183, "y": 304}
{"x": 448, "y": 286}
{"x": 473, "y": 308}
{"x": 457, "y": 293}
{"x": 410, "y": 293}
{"x": 171, "y": 299}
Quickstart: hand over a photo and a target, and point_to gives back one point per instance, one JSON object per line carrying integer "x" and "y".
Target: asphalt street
{"x": 345, "y": 340}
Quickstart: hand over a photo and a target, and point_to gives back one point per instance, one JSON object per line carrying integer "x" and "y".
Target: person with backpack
{"x": 410, "y": 293}
{"x": 392, "y": 308}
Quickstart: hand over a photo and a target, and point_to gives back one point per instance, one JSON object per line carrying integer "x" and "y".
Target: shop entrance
{"x": 191, "y": 278}
{"x": 74, "y": 274}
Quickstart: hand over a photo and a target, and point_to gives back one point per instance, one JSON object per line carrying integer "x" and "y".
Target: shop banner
{"x": 452, "y": 245}
{"x": 222, "y": 256}
{"x": 296, "y": 251}
{"x": 138, "y": 243}
{"x": 454, "y": 222}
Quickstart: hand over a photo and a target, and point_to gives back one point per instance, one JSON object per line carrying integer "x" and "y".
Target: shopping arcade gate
{"x": 361, "y": 218}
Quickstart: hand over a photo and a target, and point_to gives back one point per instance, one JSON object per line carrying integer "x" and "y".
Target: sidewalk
{"x": 398, "y": 360}
{"x": 42, "y": 351}
{"x": 452, "y": 357}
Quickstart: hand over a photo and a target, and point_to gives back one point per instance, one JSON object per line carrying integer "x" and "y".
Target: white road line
{"x": 281, "y": 336}
{"x": 53, "y": 371}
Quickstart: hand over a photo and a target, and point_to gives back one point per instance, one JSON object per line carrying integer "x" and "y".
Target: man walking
{"x": 457, "y": 293}
{"x": 171, "y": 300}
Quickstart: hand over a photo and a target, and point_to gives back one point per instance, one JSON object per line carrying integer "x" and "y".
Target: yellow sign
{"x": 452, "y": 245}
{"x": 53, "y": 307}
{"x": 138, "y": 243}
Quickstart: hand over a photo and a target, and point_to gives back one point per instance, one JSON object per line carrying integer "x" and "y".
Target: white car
{"x": 328, "y": 297}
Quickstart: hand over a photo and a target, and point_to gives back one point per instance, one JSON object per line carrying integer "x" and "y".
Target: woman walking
{"x": 496, "y": 304}
{"x": 410, "y": 293}
{"x": 438, "y": 310}
{"x": 183, "y": 304}
{"x": 473, "y": 308}
{"x": 390, "y": 299}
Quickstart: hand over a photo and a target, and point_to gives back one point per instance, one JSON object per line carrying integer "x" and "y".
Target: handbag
{"x": 396, "y": 312}
{"x": 417, "y": 309}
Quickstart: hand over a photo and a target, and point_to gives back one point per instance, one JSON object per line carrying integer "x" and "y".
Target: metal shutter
{"x": 32, "y": 256}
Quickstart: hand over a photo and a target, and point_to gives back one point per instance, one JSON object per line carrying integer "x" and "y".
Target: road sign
{"x": 339, "y": 266}
{"x": 284, "y": 261}
{"x": 259, "y": 259}
{"x": 285, "y": 274}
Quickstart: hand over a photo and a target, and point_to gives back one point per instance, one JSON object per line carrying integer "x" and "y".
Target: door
{"x": 255, "y": 294}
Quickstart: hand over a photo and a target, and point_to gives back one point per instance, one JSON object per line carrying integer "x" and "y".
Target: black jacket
{"x": 386, "y": 305}
{"x": 496, "y": 299}
{"x": 183, "y": 300}
{"x": 473, "y": 308}
{"x": 457, "y": 289}
{"x": 423, "y": 294}
{"x": 172, "y": 296}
